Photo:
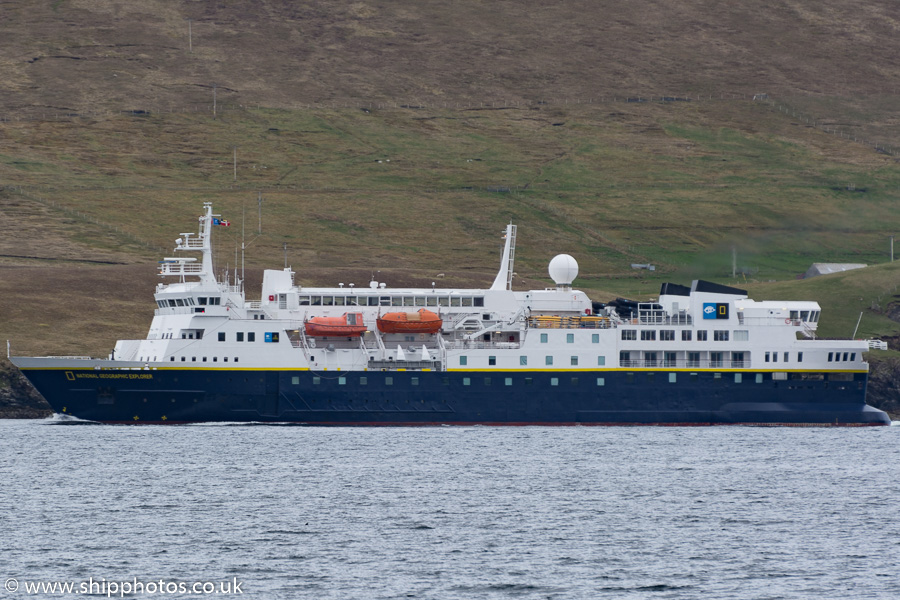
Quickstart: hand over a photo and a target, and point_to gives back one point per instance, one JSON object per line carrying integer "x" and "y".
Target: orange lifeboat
{"x": 423, "y": 321}
{"x": 348, "y": 325}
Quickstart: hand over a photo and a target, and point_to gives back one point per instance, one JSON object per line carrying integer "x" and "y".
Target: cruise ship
{"x": 703, "y": 354}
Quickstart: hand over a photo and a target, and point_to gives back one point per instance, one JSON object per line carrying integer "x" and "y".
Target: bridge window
{"x": 629, "y": 334}
{"x": 685, "y": 335}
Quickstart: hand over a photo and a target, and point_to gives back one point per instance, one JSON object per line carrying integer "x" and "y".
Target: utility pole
{"x": 214, "y": 101}
{"x": 284, "y": 244}
{"x": 892, "y": 248}
{"x": 190, "y": 37}
{"x": 235, "y": 163}
{"x": 259, "y": 203}
{"x": 733, "y": 262}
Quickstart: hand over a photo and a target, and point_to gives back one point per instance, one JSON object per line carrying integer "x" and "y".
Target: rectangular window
{"x": 720, "y": 335}
{"x": 786, "y": 356}
{"x": 601, "y": 382}
{"x": 523, "y": 360}
{"x": 543, "y": 338}
{"x": 364, "y": 381}
{"x": 701, "y": 335}
{"x": 685, "y": 335}
{"x": 799, "y": 357}
{"x": 767, "y": 357}
{"x": 342, "y": 381}
{"x": 295, "y": 381}
{"x": 624, "y": 359}
{"x": 595, "y": 338}
{"x": 529, "y": 380}
{"x": 467, "y": 381}
{"x": 573, "y": 381}
{"x": 554, "y": 381}
{"x": 570, "y": 338}
{"x": 853, "y": 356}
{"x": 693, "y": 359}
{"x": 463, "y": 361}
{"x": 574, "y": 361}
{"x": 759, "y": 378}
{"x": 741, "y": 335}
{"x": 830, "y": 356}
{"x": 492, "y": 361}
{"x": 667, "y": 335}
{"x": 487, "y": 381}
{"x": 648, "y": 335}
{"x": 251, "y": 336}
{"x": 738, "y": 377}
{"x": 601, "y": 361}
{"x": 317, "y": 380}
{"x": 240, "y": 336}
{"x": 715, "y": 359}
{"x": 414, "y": 381}
{"x": 673, "y": 377}
{"x": 548, "y": 360}
{"x": 629, "y": 334}
{"x": 845, "y": 356}
{"x": 669, "y": 359}
{"x": 388, "y": 381}
{"x": 507, "y": 381}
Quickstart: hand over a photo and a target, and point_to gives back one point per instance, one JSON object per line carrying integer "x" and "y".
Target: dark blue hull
{"x": 459, "y": 398}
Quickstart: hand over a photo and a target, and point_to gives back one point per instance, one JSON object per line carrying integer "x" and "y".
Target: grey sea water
{"x": 453, "y": 512}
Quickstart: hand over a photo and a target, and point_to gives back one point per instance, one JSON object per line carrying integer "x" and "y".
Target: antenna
{"x": 259, "y": 202}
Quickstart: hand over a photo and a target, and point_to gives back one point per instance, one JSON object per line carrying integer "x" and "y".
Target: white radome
{"x": 563, "y": 269}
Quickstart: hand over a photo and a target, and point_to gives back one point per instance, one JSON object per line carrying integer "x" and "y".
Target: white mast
{"x": 503, "y": 281}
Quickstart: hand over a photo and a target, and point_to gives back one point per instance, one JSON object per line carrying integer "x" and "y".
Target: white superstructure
{"x": 201, "y": 322}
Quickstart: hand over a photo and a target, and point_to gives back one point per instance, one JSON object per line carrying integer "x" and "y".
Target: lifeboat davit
{"x": 423, "y": 321}
{"x": 348, "y": 325}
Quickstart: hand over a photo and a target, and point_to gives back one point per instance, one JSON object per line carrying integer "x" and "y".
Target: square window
{"x": 414, "y": 381}
{"x": 601, "y": 381}
{"x": 554, "y": 381}
{"x": 317, "y": 380}
{"x": 574, "y": 361}
{"x": 573, "y": 381}
{"x": 467, "y": 381}
{"x": 523, "y": 360}
{"x": 685, "y": 335}
{"x": 529, "y": 380}
{"x": 363, "y": 381}
{"x": 342, "y": 381}
{"x": 445, "y": 381}
{"x": 601, "y": 361}
{"x": 295, "y": 381}
{"x": 463, "y": 361}
{"x": 507, "y": 381}
{"x": 543, "y": 338}
{"x": 548, "y": 360}
{"x": 487, "y": 381}
{"x": 388, "y": 381}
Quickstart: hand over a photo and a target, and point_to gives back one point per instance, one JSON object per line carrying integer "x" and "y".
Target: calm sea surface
{"x": 453, "y": 512}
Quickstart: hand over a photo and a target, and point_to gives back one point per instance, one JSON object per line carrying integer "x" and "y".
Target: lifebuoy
{"x": 787, "y": 321}
{"x": 271, "y": 298}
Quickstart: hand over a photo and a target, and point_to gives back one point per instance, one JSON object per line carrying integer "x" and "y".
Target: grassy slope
{"x": 677, "y": 184}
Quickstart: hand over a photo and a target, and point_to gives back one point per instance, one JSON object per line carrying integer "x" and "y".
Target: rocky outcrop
{"x": 18, "y": 398}
{"x": 884, "y": 384}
